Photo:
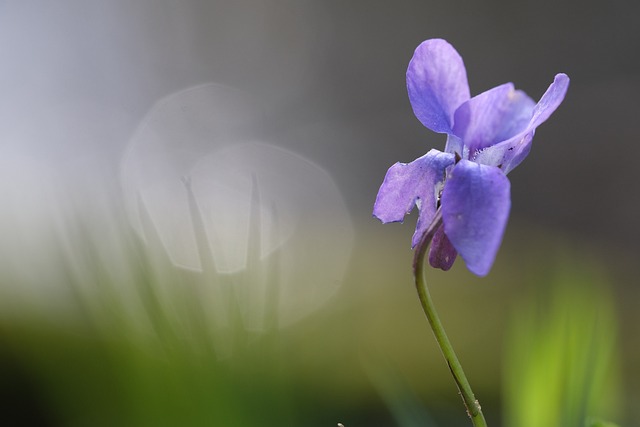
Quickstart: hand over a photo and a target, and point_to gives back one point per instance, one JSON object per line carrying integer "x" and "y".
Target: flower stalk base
{"x": 473, "y": 406}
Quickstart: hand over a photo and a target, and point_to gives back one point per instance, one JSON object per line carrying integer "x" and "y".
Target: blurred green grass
{"x": 137, "y": 344}
{"x": 562, "y": 365}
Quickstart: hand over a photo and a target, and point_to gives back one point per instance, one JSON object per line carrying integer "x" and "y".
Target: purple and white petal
{"x": 442, "y": 254}
{"x": 455, "y": 145}
{"x": 510, "y": 153}
{"x": 437, "y": 84}
{"x": 493, "y": 116}
{"x": 409, "y": 184}
{"x": 475, "y": 209}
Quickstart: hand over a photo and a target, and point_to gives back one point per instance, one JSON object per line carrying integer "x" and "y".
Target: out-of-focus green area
{"x": 546, "y": 339}
{"x": 562, "y": 365}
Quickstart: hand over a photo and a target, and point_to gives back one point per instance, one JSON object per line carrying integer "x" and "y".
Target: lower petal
{"x": 475, "y": 208}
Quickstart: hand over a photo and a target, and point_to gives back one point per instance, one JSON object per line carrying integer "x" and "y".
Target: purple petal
{"x": 437, "y": 84}
{"x": 410, "y": 184}
{"x": 511, "y": 152}
{"x": 475, "y": 208}
{"x": 442, "y": 254}
{"x": 493, "y": 116}
{"x": 551, "y": 100}
{"x": 454, "y": 145}
{"x": 508, "y": 154}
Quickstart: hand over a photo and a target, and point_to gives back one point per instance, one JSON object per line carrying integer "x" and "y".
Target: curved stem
{"x": 471, "y": 403}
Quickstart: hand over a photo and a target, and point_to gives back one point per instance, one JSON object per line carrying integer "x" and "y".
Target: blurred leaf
{"x": 599, "y": 423}
{"x": 562, "y": 353}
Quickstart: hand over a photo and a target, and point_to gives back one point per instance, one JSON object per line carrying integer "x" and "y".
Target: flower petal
{"x": 455, "y": 145}
{"x": 493, "y": 116}
{"x": 475, "y": 208}
{"x": 409, "y": 184}
{"x": 442, "y": 254}
{"x": 508, "y": 154}
{"x": 551, "y": 100}
{"x": 437, "y": 84}
{"x": 511, "y": 152}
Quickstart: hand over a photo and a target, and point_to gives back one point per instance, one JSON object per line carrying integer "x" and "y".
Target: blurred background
{"x": 186, "y": 222}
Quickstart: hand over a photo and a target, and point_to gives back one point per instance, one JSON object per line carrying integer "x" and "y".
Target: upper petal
{"x": 493, "y": 116}
{"x": 551, "y": 100}
{"x": 475, "y": 208}
{"x": 409, "y": 184}
{"x": 509, "y": 153}
{"x": 456, "y": 145}
{"x": 437, "y": 84}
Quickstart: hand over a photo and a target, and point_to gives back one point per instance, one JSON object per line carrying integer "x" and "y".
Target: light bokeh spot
{"x": 197, "y": 180}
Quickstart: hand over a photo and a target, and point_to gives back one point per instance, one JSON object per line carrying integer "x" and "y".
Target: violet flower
{"x": 487, "y": 137}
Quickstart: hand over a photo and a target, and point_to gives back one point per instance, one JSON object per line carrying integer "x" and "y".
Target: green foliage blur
{"x": 563, "y": 364}
{"x": 136, "y": 344}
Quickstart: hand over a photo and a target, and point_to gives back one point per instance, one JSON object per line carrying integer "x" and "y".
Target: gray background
{"x": 77, "y": 76}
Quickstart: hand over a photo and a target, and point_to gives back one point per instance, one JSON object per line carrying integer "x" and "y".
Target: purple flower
{"x": 487, "y": 137}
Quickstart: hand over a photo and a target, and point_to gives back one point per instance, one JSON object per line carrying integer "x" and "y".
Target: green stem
{"x": 470, "y": 401}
